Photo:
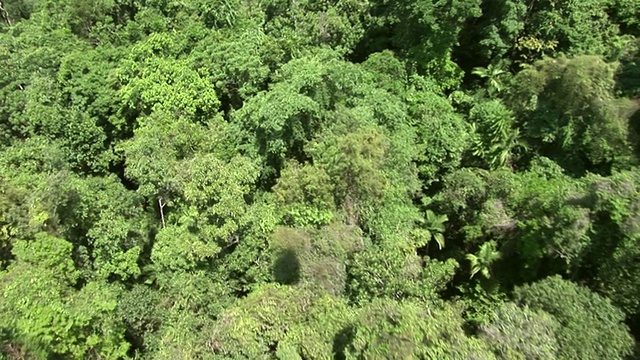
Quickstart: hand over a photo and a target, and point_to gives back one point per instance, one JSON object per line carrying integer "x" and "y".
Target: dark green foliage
{"x": 526, "y": 31}
{"x": 572, "y": 114}
{"x": 499, "y": 27}
{"x": 628, "y": 74}
{"x": 570, "y": 27}
{"x": 616, "y": 198}
{"x": 497, "y": 140}
{"x": 425, "y": 32}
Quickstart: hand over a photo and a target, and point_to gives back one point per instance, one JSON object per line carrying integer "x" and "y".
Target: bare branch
{"x": 5, "y": 14}
{"x": 162, "y": 204}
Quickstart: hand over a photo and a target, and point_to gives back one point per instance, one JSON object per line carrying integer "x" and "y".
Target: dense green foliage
{"x": 319, "y": 179}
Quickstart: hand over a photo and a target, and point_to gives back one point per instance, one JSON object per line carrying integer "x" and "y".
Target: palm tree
{"x": 431, "y": 228}
{"x": 497, "y": 140}
{"x": 482, "y": 260}
{"x": 434, "y": 226}
{"x": 492, "y": 73}
{"x": 503, "y": 150}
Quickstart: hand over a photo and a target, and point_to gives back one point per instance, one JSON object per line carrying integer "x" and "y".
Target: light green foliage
{"x": 26, "y": 209}
{"x": 387, "y": 329}
{"x": 115, "y": 222}
{"x": 354, "y": 161}
{"x": 442, "y": 135}
{"x": 279, "y": 319}
{"x": 552, "y": 221}
{"x": 591, "y": 327}
{"x": 305, "y": 195}
{"x": 211, "y": 13}
{"x": 371, "y": 171}
{"x": 41, "y": 103}
{"x": 284, "y": 117}
{"x": 45, "y": 311}
{"x": 305, "y": 24}
{"x": 300, "y": 105}
{"x": 482, "y": 260}
{"x": 88, "y": 79}
{"x": 153, "y": 80}
{"x": 397, "y": 273}
{"x": 78, "y": 16}
{"x": 80, "y": 136}
{"x": 153, "y": 154}
{"x": 173, "y": 158}
{"x": 318, "y": 179}
{"x": 324, "y": 331}
{"x": 51, "y": 254}
{"x": 315, "y": 259}
{"x": 180, "y": 339}
{"x": 187, "y": 303}
{"x": 30, "y": 94}
{"x": 348, "y": 140}
{"x": 433, "y": 227}
{"x": 207, "y": 211}
{"x": 521, "y": 333}
{"x": 176, "y": 249}
{"x": 217, "y": 189}
{"x": 191, "y": 20}
{"x": 237, "y": 60}
{"x": 99, "y": 215}
{"x": 244, "y": 262}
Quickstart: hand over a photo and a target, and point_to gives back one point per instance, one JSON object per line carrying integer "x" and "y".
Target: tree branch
{"x": 162, "y": 204}
{"x": 5, "y": 14}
